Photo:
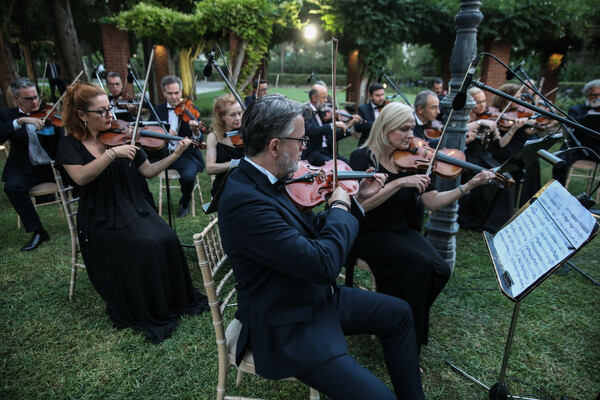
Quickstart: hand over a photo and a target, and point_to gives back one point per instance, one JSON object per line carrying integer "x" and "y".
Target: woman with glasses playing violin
{"x": 133, "y": 258}
{"x": 28, "y": 163}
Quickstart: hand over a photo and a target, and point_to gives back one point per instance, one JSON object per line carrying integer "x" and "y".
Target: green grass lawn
{"x": 55, "y": 349}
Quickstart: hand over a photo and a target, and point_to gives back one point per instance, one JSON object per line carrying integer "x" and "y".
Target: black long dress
{"x": 225, "y": 153}
{"x": 133, "y": 258}
{"x": 404, "y": 262}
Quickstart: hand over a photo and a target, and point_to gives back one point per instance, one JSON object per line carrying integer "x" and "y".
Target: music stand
{"x": 544, "y": 234}
{"x": 525, "y": 158}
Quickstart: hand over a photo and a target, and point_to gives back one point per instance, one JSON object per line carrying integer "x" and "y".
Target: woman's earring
{"x": 85, "y": 124}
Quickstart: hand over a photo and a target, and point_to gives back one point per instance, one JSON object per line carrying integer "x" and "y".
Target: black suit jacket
{"x": 367, "y": 113}
{"x": 285, "y": 263}
{"x": 579, "y": 111}
{"x": 184, "y": 131}
{"x": 18, "y": 158}
{"x": 312, "y": 153}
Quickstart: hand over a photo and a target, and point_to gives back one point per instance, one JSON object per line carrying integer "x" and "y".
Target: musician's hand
{"x": 172, "y": 132}
{"x": 195, "y": 127}
{"x": 125, "y": 151}
{"x": 341, "y": 125}
{"x": 418, "y": 181}
{"x": 132, "y": 108}
{"x": 496, "y": 135}
{"x": 481, "y": 178}
{"x": 181, "y": 146}
{"x": 38, "y": 123}
{"x": 470, "y": 137}
{"x": 340, "y": 194}
{"x": 370, "y": 186}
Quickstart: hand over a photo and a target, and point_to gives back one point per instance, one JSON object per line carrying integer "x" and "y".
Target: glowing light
{"x": 310, "y": 32}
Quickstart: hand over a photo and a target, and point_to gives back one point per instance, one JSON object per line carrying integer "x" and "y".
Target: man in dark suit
{"x": 293, "y": 315}
{"x": 258, "y": 90}
{"x": 320, "y": 146}
{"x": 28, "y": 163}
{"x": 427, "y": 108}
{"x": 591, "y": 92}
{"x": 191, "y": 162}
{"x": 369, "y": 111}
{"x": 54, "y": 79}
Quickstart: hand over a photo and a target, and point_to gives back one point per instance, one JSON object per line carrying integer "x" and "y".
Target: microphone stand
{"x": 392, "y": 84}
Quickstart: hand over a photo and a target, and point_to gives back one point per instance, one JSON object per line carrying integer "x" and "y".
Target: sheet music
{"x": 543, "y": 235}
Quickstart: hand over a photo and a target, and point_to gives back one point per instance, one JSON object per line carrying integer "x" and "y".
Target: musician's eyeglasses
{"x": 30, "y": 99}
{"x": 303, "y": 139}
{"x": 103, "y": 112}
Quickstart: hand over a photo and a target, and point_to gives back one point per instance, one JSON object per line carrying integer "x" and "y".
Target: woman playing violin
{"x": 221, "y": 154}
{"x": 404, "y": 263}
{"x": 133, "y": 258}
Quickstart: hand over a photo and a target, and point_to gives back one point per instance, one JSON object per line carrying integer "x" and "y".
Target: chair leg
{"x": 240, "y": 376}
{"x": 73, "y": 278}
{"x": 569, "y": 177}
{"x": 160, "y": 195}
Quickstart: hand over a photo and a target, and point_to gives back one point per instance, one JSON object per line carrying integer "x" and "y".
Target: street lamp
{"x": 310, "y": 32}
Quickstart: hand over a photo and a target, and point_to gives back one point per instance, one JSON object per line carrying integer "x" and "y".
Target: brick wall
{"x": 115, "y": 45}
{"x": 493, "y": 73}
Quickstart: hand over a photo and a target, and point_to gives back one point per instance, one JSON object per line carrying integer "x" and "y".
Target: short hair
{"x": 437, "y": 81}
{"x": 375, "y": 86}
{"x": 220, "y": 107}
{"x": 19, "y": 84}
{"x": 587, "y": 88}
{"x": 268, "y": 117}
{"x": 421, "y": 99}
{"x": 113, "y": 74}
{"x": 391, "y": 117}
{"x": 474, "y": 90}
{"x": 78, "y": 97}
{"x": 255, "y": 83}
{"x": 315, "y": 90}
{"x": 169, "y": 79}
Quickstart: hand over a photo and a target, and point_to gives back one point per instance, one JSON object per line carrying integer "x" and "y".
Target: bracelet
{"x": 114, "y": 152}
{"x": 109, "y": 156}
{"x": 336, "y": 202}
{"x": 461, "y": 190}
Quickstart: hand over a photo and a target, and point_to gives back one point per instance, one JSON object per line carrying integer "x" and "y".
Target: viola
{"x": 310, "y": 185}
{"x": 151, "y": 138}
{"x": 236, "y": 138}
{"x": 49, "y": 115}
{"x": 433, "y": 130}
{"x": 186, "y": 110}
{"x": 449, "y": 163}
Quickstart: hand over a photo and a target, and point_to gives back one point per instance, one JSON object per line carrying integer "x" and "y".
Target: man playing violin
{"x": 427, "y": 108}
{"x": 293, "y": 316}
{"x": 28, "y": 163}
{"x": 258, "y": 90}
{"x": 191, "y": 162}
{"x": 320, "y": 147}
{"x": 116, "y": 93}
{"x": 369, "y": 111}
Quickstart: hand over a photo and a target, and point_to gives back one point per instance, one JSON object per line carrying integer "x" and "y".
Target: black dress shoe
{"x": 183, "y": 211}
{"x": 35, "y": 241}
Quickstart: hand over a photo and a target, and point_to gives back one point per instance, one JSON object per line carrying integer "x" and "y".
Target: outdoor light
{"x": 310, "y": 32}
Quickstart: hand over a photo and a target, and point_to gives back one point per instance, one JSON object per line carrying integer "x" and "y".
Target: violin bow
{"x": 139, "y": 113}
{"x": 437, "y": 148}
{"x": 59, "y": 100}
{"x": 334, "y": 129}
{"x": 508, "y": 104}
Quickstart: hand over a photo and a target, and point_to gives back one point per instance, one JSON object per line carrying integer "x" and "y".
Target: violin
{"x": 433, "y": 130}
{"x": 49, "y": 115}
{"x": 310, "y": 185}
{"x": 449, "y": 163}
{"x": 236, "y": 138}
{"x": 151, "y": 138}
{"x": 186, "y": 110}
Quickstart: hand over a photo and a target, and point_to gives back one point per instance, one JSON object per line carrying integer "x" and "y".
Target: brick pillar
{"x": 115, "y": 43}
{"x": 492, "y": 73}
{"x": 353, "y": 78}
{"x": 161, "y": 69}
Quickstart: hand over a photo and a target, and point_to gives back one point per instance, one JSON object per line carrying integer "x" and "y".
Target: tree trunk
{"x": 25, "y": 43}
{"x": 161, "y": 69}
{"x": 8, "y": 72}
{"x": 239, "y": 62}
{"x": 550, "y": 69}
{"x": 65, "y": 39}
{"x": 186, "y": 64}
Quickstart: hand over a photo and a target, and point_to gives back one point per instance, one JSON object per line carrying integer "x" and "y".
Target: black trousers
{"x": 188, "y": 166}
{"x": 17, "y": 188}
{"x": 364, "y": 312}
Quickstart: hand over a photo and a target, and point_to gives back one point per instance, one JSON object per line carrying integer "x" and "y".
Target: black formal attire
{"x": 133, "y": 258}
{"x": 225, "y": 153}
{"x": 20, "y": 174}
{"x": 367, "y": 113}
{"x": 529, "y": 175}
{"x": 54, "y": 80}
{"x": 293, "y": 316}
{"x": 189, "y": 164}
{"x": 250, "y": 99}
{"x": 316, "y": 153}
{"x": 579, "y": 113}
{"x": 487, "y": 207}
{"x": 404, "y": 262}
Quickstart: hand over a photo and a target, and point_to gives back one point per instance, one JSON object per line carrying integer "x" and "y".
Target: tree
{"x": 65, "y": 38}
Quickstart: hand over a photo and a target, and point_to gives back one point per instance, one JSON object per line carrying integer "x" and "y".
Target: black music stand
{"x": 556, "y": 208}
{"x": 526, "y": 157}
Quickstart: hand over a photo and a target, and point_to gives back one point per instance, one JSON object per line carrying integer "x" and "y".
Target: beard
{"x": 286, "y": 164}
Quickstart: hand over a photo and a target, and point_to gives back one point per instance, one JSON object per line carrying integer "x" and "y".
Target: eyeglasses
{"x": 304, "y": 139}
{"x": 30, "y": 99}
{"x": 103, "y": 112}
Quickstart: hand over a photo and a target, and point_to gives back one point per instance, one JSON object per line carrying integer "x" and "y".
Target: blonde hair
{"x": 391, "y": 117}
{"x": 78, "y": 97}
{"x": 220, "y": 107}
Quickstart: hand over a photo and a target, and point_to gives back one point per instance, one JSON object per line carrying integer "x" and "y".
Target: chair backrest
{"x": 69, "y": 203}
